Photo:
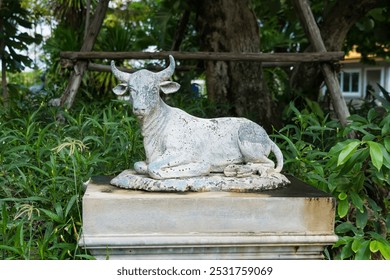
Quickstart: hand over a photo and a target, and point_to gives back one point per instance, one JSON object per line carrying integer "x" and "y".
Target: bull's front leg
{"x": 175, "y": 167}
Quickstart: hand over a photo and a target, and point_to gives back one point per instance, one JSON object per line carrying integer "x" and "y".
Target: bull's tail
{"x": 279, "y": 157}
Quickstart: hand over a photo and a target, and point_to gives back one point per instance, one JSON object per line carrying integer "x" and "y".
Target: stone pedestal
{"x": 293, "y": 222}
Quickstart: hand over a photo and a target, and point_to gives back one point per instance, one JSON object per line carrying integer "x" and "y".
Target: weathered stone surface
{"x": 128, "y": 179}
{"x": 293, "y": 222}
{"x": 179, "y": 145}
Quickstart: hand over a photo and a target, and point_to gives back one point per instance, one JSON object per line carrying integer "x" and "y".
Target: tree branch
{"x": 180, "y": 31}
{"x": 313, "y": 33}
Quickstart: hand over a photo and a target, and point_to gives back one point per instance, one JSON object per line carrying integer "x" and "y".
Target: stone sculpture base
{"x": 128, "y": 179}
{"x": 294, "y": 222}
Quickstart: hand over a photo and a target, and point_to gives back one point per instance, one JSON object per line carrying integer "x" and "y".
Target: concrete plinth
{"x": 294, "y": 222}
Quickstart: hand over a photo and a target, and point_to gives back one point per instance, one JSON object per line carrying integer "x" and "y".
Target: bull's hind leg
{"x": 255, "y": 147}
{"x": 237, "y": 170}
{"x": 264, "y": 168}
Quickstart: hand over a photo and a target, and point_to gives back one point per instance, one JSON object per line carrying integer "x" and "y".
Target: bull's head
{"x": 144, "y": 87}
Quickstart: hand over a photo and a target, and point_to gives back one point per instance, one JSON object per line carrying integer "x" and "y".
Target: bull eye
{"x": 155, "y": 89}
{"x": 132, "y": 92}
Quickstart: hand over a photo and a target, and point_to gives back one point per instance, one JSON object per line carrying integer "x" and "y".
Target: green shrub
{"x": 43, "y": 164}
{"x": 355, "y": 171}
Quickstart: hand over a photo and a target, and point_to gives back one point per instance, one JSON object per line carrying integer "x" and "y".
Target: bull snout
{"x": 139, "y": 112}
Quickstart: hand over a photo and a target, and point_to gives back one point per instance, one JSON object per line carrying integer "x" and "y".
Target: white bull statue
{"x": 179, "y": 145}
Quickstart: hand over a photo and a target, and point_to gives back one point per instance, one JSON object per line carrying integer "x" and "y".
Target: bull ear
{"x": 169, "y": 87}
{"x": 120, "y": 89}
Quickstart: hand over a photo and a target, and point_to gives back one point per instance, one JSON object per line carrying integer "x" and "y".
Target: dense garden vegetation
{"x": 47, "y": 154}
{"x": 44, "y": 164}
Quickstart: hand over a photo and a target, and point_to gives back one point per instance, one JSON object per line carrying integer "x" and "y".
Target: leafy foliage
{"x": 370, "y": 35}
{"x": 355, "y": 171}
{"x": 12, "y": 40}
{"x": 279, "y": 30}
{"x": 43, "y": 164}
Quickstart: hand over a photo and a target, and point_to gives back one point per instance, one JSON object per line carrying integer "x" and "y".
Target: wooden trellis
{"x": 267, "y": 59}
{"x": 313, "y": 33}
{"x": 321, "y": 56}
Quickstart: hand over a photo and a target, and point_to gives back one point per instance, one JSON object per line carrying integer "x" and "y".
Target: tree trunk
{"x": 3, "y": 64}
{"x": 4, "y": 82}
{"x": 307, "y": 77}
{"x": 69, "y": 95}
{"x": 180, "y": 30}
{"x": 87, "y": 18}
{"x": 231, "y": 26}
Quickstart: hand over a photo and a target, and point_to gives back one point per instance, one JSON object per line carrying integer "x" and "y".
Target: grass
{"x": 43, "y": 164}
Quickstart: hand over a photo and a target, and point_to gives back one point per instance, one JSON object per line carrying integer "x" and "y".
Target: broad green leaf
{"x": 361, "y": 218}
{"x": 372, "y": 114}
{"x": 376, "y": 154}
{"x": 315, "y": 108}
{"x": 358, "y": 119}
{"x": 364, "y": 251}
{"x": 374, "y": 206}
{"x": 342, "y": 208}
{"x": 374, "y": 246}
{"x": 359, "y": 182}
{"x": 385, "y": 129}
{"x": 357, "y": 201}
{"x": 382, "y": 244}
{"x": 385, "y": 120}
{"x": 387, "y": 143}
{"x": 337, "y": 148}
{"x": 356, "y": 244}
{"x": 342, "y": 196}
{"x": 346, "y": 251}
{"x": 368, "y": 137}
{"x": 347, "y": 152}
{"x": 345, "y": 227}
{"x": 292, "y": 146}
{"x": 386, "y": 157}
{"x": 384, "y": 249}
{"x": 378, "y": 237}
{"x": 342, "y": 241}
{"x": 356, "y": 160}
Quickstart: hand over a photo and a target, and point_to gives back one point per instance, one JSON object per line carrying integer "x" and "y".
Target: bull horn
{"x": 167, "y": 72}
{"x": 122, "y": 76}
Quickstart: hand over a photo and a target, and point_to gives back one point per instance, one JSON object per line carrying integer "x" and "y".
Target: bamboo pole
{"x": 70, "y": 92}
{"x": 313, "y": 32}
{"x": 218, "y": 56}
{"x": 67, "y": 63}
